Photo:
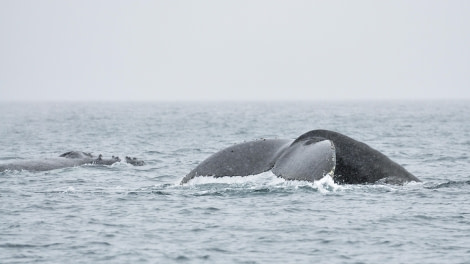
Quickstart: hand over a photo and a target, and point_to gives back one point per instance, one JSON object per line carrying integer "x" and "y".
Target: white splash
{"x": 262, "y": 178}
{"x": 69, "y": 189}
{"x": 268, "y": 179}
{"x": 327, "y": 184}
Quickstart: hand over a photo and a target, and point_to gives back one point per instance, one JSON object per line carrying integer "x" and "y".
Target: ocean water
{"x": 126, "y": 214}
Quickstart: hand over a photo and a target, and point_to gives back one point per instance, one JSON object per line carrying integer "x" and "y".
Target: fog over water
{"x": 234, "y": 50}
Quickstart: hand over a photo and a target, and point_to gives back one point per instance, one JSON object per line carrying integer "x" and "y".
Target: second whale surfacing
{"x": 308, "y": 158}
{"x": 68, "y": 159}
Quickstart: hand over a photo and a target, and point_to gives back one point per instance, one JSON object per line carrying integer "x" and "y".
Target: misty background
{"x": 234, "y": 50}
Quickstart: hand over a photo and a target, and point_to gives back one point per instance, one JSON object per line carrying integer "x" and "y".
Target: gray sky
{"x": 234, "y": 50}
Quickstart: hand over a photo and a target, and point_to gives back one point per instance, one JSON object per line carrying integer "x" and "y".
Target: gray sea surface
{"x": 126, "y": 214}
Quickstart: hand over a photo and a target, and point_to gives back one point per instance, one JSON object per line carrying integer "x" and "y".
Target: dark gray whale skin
{"x": 357, "y": 163}
{"x": 309, "y": 157}
{"x": 68, "y": 159}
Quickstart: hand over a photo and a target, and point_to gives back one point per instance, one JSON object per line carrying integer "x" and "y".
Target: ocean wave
{"x": 448, "y": 184}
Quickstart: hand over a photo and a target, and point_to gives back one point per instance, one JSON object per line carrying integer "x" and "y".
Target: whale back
{"x": 44, "y": 164}
{"x": 76, "y": 155}
{"x": 357, "y": 163}
{"x": 67, "y": 159}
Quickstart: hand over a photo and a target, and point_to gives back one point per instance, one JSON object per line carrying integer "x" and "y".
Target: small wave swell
{"x": 449, "y": 184}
